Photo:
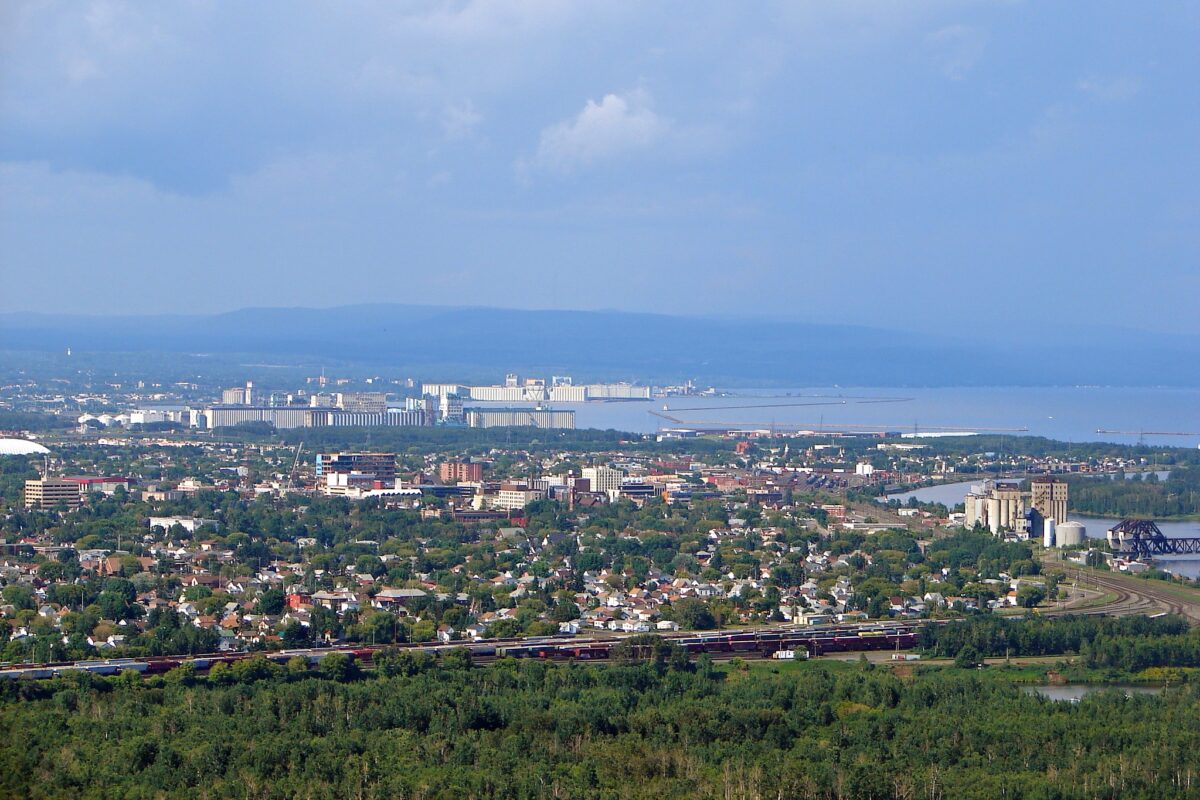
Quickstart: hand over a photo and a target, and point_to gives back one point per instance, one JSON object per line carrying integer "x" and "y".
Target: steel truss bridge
{"x": 1141, "y": 538}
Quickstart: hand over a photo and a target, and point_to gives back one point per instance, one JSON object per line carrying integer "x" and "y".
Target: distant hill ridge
{"x": 616, "y": 344}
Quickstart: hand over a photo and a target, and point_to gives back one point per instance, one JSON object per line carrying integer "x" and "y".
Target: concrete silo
{"x": 1070, "y": 534}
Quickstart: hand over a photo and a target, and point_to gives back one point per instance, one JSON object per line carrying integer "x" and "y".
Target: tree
{"x": 272, "y": 601}
{"x": 694, "y": 615}
{"x": 1030, "y": 596}
{"x": 564, "y": 611}
{"x": 339, "y": 667}
{"x": 968, "y": 658}
{"x": 458, "y": 658}
{"x": 295, "y": 635}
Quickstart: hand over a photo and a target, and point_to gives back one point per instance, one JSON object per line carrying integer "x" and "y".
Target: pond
{"x": 1074, "y": 692}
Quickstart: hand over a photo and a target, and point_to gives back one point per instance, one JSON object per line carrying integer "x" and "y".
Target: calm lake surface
{"x": 1070, "y": 414}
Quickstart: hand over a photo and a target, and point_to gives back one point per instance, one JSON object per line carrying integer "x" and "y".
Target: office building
{"x": 381, "y": 466}
{"x": 515, "y": 498}
{"x": 350, "y": 473}
{"x": 47, "y": 493}
{"x": 603, "y": 479}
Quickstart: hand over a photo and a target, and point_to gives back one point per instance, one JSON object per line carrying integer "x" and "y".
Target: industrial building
{"x": 361, "y": 402}
{"x": 1049, "y": 498}
{"x": 997, "y": 506}
{"x": 305, "y": 417}
{"x": 1001, "y": 506}
{"x": 238, "y": 395}
{"x": 535, "y": 390}
{"x": 520, "y": 417}
{"x": 1068, "y": 534}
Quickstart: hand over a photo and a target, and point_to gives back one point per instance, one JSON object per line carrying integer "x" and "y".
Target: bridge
{"x": 1142, "y": 539}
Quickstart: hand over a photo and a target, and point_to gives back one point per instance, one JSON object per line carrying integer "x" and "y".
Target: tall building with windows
{"x": 380, "y": 466}
{"x": 46, "y": 493}
{"x": 1049, "y": 497}
{"x": 604, "y": 479}
{"x": 460, "y": 472}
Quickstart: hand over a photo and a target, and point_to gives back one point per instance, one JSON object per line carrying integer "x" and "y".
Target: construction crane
{"x": 291, "y": 478}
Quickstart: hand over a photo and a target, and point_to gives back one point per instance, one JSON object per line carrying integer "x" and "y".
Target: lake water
{"x": 1070, "y": 414}
{"x": 1074, "y": 692}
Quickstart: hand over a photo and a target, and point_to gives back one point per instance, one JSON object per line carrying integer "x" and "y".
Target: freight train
{"x": 753, "y": 643}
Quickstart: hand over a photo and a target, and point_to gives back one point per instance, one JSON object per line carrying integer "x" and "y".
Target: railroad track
{"x": 1146, "y": 599}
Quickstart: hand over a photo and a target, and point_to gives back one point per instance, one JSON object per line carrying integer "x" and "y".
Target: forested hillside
{"x": 530, "y": 729}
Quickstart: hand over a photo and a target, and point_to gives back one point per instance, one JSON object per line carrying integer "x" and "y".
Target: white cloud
{"x": 459, "y": 121}
{"x": 957, "y": 49}
{"x": 616, "y": 125}
{"x": 1123, "y": 88}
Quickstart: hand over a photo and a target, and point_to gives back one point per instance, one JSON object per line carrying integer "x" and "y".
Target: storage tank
{"x": 1070, "y": 534}
{"x": 993, "y": 514}
{"x": 1048, "y": 532}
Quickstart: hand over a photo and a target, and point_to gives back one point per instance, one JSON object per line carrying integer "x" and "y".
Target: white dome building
{"x": 21, "y": 447}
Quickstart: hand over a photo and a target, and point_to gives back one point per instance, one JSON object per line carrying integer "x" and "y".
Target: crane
{"x": 291, "y": 478}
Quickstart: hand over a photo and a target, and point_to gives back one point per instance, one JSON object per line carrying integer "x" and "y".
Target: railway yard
{"x": 746, "y": 643}
{"x": 1119, "y": 595}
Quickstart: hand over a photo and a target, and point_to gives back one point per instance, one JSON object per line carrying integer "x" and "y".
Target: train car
{"x": 157, "y": 666}
{"x": 587, "y": 653}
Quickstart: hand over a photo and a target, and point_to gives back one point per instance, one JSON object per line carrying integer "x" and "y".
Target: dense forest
{"x": 1130, "y": 643}
{"x": 663, "y": 729}
{"x": 1139, "y": 495}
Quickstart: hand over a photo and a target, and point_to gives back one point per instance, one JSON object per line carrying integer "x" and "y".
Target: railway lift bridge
{"x": 1142, "y": 539}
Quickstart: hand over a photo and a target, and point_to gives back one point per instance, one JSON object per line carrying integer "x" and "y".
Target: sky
{"x": 912, "y": 164}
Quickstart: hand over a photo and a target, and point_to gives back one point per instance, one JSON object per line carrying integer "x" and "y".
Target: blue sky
{"x": 916, "y": 164}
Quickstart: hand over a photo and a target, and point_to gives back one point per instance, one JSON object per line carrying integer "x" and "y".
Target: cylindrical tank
{"x": 1048, "y": 532}
{"x": 1070, "y": 534}
{"x": 993, "y": 514}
